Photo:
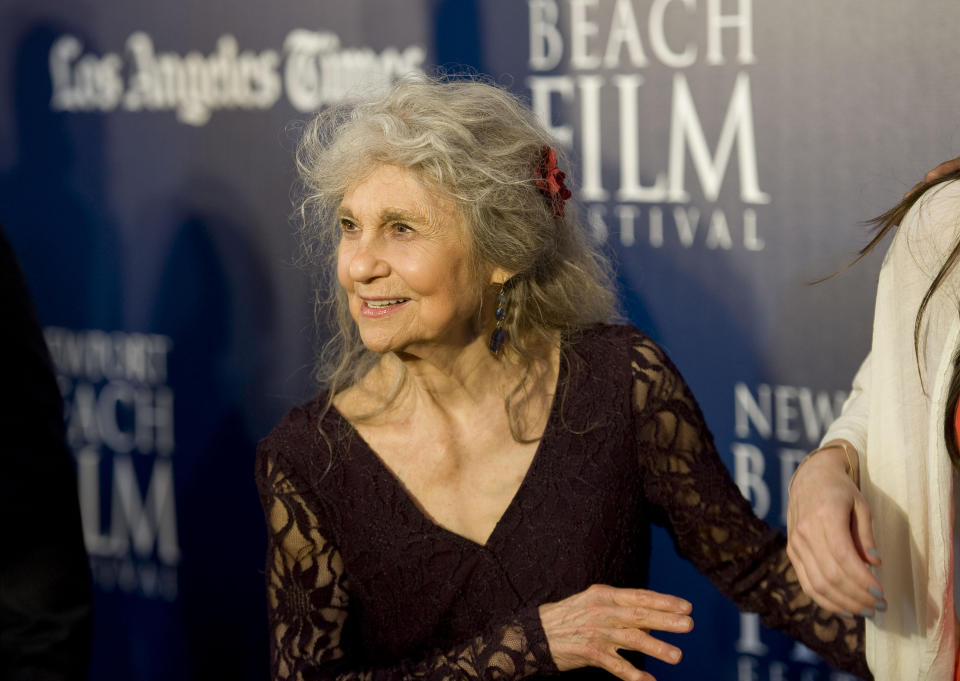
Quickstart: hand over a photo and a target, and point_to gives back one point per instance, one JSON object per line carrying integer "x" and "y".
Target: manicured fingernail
{"x": 876, "y": 592}
{"x": 848, "y": 615}
{"x": 675, "y": 655}
{"x": 873, "y": 553}
{"x": 866, "y": 612}
{"x": 880, "y": 606}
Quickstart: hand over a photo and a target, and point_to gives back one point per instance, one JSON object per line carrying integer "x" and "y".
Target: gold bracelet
{"x": 846, "y": 453}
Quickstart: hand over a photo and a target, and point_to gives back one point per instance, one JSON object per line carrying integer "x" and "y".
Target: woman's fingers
{"x": 823, "y": 580}
{"x": 645, "y": 619}
{"x": 834, "y": 570}
{"x": 861, "y": 526}
{"x": 661, "y": 621}
{"x": 588, "y": 628}
{"x": 829, "y": 564}
{"x": 642, "y": 642}
{"x": 616, "y": 665}
{"x": 943, "y": 169}
{"x": 808, "y": 574}
{"x": 852, "y": 574}
{"x": 830, "y": 537}
{"x": 650, "y": 600}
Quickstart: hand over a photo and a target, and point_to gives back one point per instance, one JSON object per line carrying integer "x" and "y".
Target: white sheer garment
{"x": 895, "y": 419}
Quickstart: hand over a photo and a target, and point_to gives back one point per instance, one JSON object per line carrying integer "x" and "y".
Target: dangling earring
{"x": 499, "y": 333}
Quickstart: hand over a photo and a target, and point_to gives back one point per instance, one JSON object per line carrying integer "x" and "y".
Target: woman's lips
{"x": 381, "y": 307}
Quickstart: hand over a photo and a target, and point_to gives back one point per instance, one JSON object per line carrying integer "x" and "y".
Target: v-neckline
{"x": 535, "y": 463}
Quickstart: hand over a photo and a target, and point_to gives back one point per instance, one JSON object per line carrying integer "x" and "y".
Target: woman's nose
{"x": 367, "y": 261}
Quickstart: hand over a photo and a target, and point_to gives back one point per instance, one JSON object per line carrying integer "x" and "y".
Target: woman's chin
{"x": 378, "y": 346}
{"x": 381, "y": 343}
{"x": 416, "y": 344}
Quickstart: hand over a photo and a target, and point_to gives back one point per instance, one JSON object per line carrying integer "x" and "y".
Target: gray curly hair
{"x": 479, "y": 146}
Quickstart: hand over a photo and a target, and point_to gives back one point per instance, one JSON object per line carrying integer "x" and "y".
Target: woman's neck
{"x": 461, "y": 380}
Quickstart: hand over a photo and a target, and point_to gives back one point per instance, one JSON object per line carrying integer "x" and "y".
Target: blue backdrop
{"x": 725, "y": 152}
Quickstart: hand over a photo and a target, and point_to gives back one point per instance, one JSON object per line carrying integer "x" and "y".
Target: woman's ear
{"x": 500, "y": 276}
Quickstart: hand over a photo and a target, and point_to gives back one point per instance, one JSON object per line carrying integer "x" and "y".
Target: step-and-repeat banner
{"x": 726, "y": 152}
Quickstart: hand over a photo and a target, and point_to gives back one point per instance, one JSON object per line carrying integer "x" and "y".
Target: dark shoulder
{"x": 601, "y": 338}
{"x": 608, "y": 343}
{"x": 599, "y": 359}
{"x": 627, "y": 351}
{"x": 297, "y": 442}
{"x": 617, "y": 369}
{"x": 297, "y": 425}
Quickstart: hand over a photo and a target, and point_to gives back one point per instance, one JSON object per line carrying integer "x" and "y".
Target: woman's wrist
{"x": 850, "y": 456}
{"x": 838, "y": 452}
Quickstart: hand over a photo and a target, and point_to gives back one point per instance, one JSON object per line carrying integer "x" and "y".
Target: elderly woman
{"x": 470, "y": 496}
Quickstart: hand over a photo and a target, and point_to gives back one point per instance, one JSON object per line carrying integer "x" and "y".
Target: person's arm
{"x": 308, "y": 599}
{"x": 712, "y": 524}
{"x": 829, "y": 527}
{"x": 45, "y": 599}
{"x": 308, "y": 602}
{"x": 831, "y": 540}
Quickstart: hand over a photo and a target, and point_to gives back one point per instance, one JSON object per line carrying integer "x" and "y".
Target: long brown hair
{"x": 882, "y": 225}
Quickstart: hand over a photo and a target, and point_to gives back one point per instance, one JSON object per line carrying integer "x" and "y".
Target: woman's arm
{"x": 309, "y": 604}
{"x": 831, "y": 539}
{"x": 830, "y": 532}
{"x": 712, "y": 524}
{"x": 829, "y": 525}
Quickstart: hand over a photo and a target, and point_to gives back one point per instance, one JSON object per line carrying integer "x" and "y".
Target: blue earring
{"x": 499, "y": 333}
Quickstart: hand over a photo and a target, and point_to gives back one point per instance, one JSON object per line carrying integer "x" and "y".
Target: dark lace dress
{"x": 362, "y": 585}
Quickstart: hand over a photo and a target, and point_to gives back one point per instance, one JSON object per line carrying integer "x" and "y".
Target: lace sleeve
{"x": 713, "y": 526}
{"x": 309, "y": 603}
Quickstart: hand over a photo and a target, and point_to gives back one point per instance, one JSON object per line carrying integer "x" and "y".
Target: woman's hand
{"x": 830, "y": 536}
{"x": 588, "y": 628}
{"x": 944, "y": 168}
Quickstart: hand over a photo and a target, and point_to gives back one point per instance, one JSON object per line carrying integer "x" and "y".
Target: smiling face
{"x": 404, "y": 263}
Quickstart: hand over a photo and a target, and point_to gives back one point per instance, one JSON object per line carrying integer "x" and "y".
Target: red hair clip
{"x": 550, "y": 180}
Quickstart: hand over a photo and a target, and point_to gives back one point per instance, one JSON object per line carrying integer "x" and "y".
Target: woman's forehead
{"x": 401, "y": 192}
